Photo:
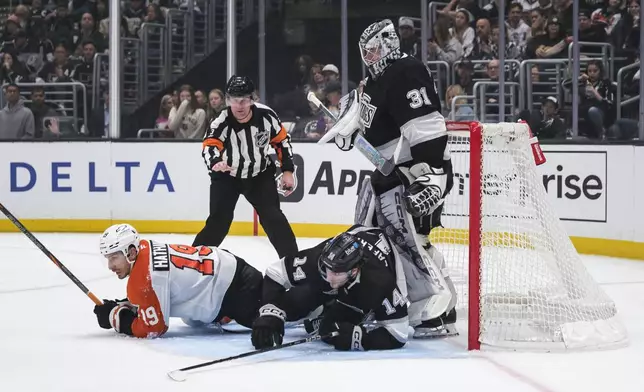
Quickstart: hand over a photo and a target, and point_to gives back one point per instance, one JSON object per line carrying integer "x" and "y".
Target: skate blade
{"x": 435, "y": 333}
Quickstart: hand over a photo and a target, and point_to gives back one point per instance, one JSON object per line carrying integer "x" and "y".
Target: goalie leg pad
{"x": 366, "y": 205}
{"x": 426, "y": 285}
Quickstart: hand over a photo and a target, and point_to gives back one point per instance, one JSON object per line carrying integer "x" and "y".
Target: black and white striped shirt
{"x": 245, "y": 147}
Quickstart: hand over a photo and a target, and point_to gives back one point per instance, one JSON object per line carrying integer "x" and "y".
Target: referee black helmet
{"x": 240, "y": 86}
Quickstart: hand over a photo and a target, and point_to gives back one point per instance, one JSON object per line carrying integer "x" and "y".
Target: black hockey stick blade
{"x": 51, "y": 256}
{"x": 182, "y": 375}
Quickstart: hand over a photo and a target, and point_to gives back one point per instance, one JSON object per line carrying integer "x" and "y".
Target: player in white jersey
{"x": 201, "y": 285}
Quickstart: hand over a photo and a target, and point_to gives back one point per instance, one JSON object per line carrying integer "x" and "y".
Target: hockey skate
{"x": 439, "y": 327}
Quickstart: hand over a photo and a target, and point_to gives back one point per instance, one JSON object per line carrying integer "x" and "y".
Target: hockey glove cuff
{"x": 121, "y": 318}
{"x": 425, "y": 193}
{"x": 268, "y": 328}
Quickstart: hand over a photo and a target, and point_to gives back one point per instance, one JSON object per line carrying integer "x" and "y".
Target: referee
{"x": 235, "y": 150}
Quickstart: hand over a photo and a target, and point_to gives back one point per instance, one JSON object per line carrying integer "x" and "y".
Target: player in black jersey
{"x": 398, "y": 111}
{"x": 356, "y": 276}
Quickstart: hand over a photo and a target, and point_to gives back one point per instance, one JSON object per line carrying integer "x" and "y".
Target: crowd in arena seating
{"x": 56, "y": 42}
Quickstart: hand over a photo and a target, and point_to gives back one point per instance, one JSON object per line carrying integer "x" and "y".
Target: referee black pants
{"x": 261, "y": 193}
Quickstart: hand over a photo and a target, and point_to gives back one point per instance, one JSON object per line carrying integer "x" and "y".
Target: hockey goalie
{"x": 398, "y": 111}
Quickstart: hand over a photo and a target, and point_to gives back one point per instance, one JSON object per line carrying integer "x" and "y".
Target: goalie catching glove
{"x": 425, "y": 190}
{"x": 268, "y": 328}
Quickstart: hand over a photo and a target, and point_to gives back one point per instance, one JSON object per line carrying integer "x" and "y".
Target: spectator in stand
{"x": 518, "y": 31}
{"x": 563, "y": 9}
{"x": 164, "y": 112}
{"x": 88, "y": 32}
{"x": 58, "y": 70}
{"x": 463, "y": 112}
{"x": 40, "y": 110}
{"x": 471, "y": 6}
{"x": 545, "y": 122}
{"x": 16, "y": 121}
{"x": 409, "y": 42}
{"x": 443, "y": 46}
{"x": 483, "y": 48}
{"x": 154, "y": 15}
{"x": 37, "y": 26}
{"x": 11, "y": 26}
{"x": 553, "y": 44}
{"x": 512, "y": 51}
{"x": 316, "y": 84}
{"x": 462, "y": 30}
{"x": 201, "y": 99}
{"x": 609, "y": 15}
{"x": 626, "y": 35}
{"x": 315, "y": 129}
{"x": 332, "y": 74}
{"x": 83, "y": 71}
{"x": 596, "y": 97}
{"x": 188, "y": 120}
{"x": 12, "y": 70}
{"x": 303, "y": 65}
{"x": 216, "y": 104}
{"x": 61, "y": 24}
{"x": 464, "y": 72}
{"x": 538, "y": 25}
{"x": 590, "y": 32}
{"x": 135, "y": 9}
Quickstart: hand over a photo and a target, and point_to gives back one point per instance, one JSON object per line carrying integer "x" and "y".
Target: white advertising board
{"x": 596, "y": 190}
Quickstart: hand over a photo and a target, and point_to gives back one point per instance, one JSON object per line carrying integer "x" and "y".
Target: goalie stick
{"x": 182, "y": 375}
{"x": 383, "y": 165}
{"x": 53, "y": 258}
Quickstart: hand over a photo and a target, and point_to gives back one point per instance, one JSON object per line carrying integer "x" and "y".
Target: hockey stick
{"x": 53, "y": 258}
{"x": 181, "y": 375}
{"x": 383, "y": 165}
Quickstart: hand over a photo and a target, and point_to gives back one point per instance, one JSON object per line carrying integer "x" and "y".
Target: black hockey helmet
{"x": 341, "y": 254}
{"x": 240, "y": 86}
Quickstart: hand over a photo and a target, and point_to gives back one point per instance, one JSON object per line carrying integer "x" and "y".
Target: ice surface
{"x": 50, "y": 341}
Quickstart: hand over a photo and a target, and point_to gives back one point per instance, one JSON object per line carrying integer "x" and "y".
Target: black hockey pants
{"x": 244, "y": 296}
{"x": 261, "y": 193}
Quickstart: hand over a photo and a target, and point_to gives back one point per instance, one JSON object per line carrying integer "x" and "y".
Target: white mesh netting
{"x": 534, "y": 289}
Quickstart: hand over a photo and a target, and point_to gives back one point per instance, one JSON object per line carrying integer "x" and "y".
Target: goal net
{"x": 518, "y": 276}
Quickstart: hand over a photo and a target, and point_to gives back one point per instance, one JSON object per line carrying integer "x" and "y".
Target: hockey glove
{"x": 102, "y": 313}
{"x": 268, "y": 328}
{"x": 425, "y": 193}
{"x": 349, "y": 336}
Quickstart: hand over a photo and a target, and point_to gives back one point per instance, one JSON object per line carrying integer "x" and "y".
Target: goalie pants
{"x": 261, "y": 193}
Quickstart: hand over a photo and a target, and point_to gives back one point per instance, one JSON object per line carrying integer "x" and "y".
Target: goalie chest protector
{"x": 405, "y": 91}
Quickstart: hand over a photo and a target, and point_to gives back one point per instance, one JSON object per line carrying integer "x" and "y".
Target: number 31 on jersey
{"x": 418, "y": 98}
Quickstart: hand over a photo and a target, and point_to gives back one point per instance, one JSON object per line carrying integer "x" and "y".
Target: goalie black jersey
{"x": 378, "y": 295}
{"x": 403, "y": 102}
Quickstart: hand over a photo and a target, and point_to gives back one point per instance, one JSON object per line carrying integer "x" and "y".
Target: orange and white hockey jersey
{"x": 175, "y": 281}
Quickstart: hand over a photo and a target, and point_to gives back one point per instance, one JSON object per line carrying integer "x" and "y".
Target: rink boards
{"x": 596, "y": 190}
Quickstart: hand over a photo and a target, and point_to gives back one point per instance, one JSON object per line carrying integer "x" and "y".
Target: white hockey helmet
{"x": 119, "y": 238}
{"x": 379, "y": 46}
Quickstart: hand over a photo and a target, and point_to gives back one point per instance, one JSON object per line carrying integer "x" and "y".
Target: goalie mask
{"x": 379, "y": 46}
